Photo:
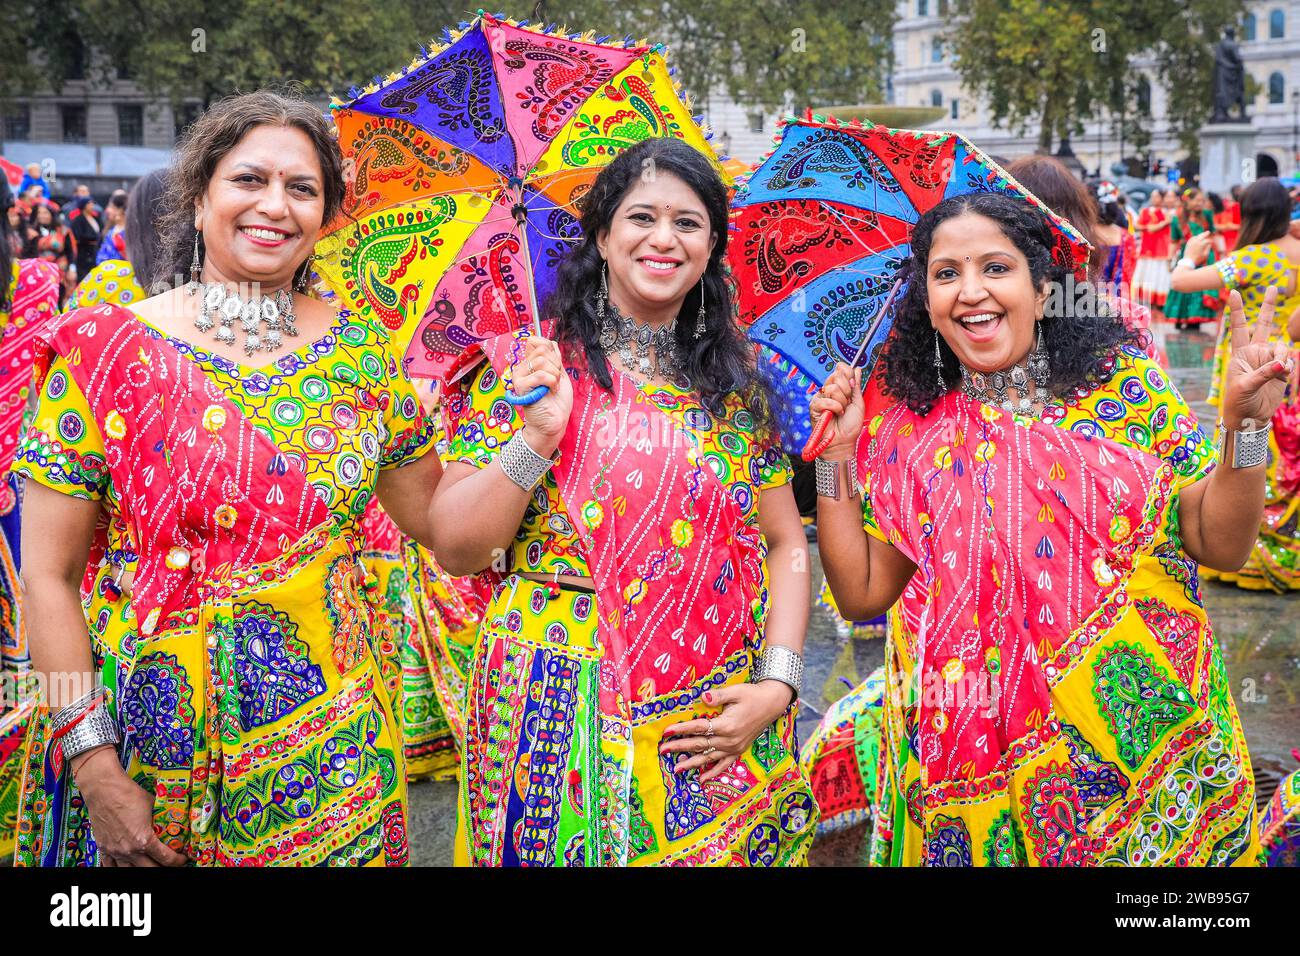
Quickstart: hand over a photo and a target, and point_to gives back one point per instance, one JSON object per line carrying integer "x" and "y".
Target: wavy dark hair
{"x": 722, "y": 362}
{"x": 1081, "y": 332}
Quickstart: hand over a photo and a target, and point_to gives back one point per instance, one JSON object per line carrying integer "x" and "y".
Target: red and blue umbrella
{"x": 820, "y": 229}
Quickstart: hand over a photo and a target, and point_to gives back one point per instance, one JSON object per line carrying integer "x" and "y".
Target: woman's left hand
{"x": 747, "y": 709}
{"x": 1258, "y": 370}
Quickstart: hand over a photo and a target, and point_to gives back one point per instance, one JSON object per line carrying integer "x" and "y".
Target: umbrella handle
{"x": 819, "y": 441}
{"x": 528, "y": 398}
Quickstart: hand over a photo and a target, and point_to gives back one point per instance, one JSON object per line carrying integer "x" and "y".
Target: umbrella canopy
{"x": 467, "y": 171}
{"x": 820, "y": 230}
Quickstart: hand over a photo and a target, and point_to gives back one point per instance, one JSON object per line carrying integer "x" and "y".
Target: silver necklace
{"x": 221, "y": 309}
{"x": 1028, "y": 381}
{"x": 651, "y": 350}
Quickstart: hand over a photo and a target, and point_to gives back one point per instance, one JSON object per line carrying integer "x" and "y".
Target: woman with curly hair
{"x": 631, "y": 693}
{"x": 200, "y": 462}
{"x": 1037, "y": 503}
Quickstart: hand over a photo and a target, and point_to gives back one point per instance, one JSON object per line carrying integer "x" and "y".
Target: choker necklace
{"x": 221, "y": 309}
{"x": 655, "y": 348}
{"x": 1028, "y": 381}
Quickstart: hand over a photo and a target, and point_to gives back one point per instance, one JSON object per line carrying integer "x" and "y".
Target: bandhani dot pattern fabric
{"x": 1073, "y": 705}
{"x": 583, "y": 667}
{"x": 252, "y": 697}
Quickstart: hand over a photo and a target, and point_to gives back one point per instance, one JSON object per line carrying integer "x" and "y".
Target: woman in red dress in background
{"x": 1151, "y": 278}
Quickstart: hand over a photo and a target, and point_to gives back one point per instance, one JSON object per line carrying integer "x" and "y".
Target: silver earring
{"x": 603, "y": 294}
{"x": 305, "y": 278}
{"x": 938, "y": 364}
{"x": 699, "y": 319}
{"x": 608, "y": 330}
{"x": 1039, "y": 364}
{"x": 196, "y": 267}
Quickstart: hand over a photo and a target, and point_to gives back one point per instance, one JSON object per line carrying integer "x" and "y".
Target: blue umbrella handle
{"x": 528, "y": 398}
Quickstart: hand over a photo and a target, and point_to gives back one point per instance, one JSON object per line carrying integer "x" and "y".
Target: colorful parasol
{"x": 820, "y": 230}
{"x": 466, "y": 176}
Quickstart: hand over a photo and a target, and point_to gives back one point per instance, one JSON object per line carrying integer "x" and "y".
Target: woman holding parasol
{"x": 631, "y": 694}
{"x": 1037, "y": 503}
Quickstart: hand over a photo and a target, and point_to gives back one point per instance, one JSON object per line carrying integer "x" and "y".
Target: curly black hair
{"x": 722, "y": 362}
{"x": 1081, "y": 331}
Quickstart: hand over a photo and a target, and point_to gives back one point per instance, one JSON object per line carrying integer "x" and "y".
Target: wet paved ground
{"x": 1259, "y": 634}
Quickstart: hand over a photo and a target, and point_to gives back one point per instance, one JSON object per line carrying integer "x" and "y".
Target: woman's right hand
{"x": 841, "y": 397}
{"x": 546, "y": 419}
{"x": 121, "y": 814}
{"x": 1198, "y": 247}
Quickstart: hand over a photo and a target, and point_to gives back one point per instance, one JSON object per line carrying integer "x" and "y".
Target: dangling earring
{"x": 305, "y": 278}
{"x": 603, "y": 294}
{"x": 196, "y": 268}
{"x": 1039, "y": 363}
{"x": 938, "y": 364}
{"x": 699, "y": 319}
{"x": 608, "y": 331}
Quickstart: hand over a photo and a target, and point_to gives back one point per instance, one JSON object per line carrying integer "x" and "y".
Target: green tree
{"x": 1056, "y": 63}
{"x": 802, "y": 52}
{"x": 39, "y": 40}
{"x": 182, "y": 49}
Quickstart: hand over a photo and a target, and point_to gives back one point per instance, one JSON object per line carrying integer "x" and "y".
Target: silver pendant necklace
{"x": 221, "y": 309}
{"x": 1028, "y": 381}
{"x": 653, "y": 351}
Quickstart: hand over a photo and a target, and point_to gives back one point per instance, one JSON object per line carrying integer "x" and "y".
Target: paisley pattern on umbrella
{"x": 466, "y": 175}
{"x": 821, "y": 228}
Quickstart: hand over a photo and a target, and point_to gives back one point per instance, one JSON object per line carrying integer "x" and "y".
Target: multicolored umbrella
{"x": 820, "y": 230}
{"x": 466, "y": 174}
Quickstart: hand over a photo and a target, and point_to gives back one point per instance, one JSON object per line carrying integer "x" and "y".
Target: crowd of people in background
{"x": 76, "y": 234}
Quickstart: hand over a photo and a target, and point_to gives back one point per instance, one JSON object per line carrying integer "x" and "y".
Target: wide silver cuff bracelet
{"x": 828, "y": 478}
{"x": 779, "y": 663}
{"x": 521, "y": 464}
{"x": 1249, "y": 448}
{"x": 96, "y": 729}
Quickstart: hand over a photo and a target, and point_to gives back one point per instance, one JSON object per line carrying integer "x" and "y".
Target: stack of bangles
{"x": 81, "y": 726}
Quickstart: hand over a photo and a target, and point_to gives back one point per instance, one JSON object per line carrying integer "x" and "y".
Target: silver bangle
{"x": 779, "y": 663}
{"x": 828, "y": 478}
{"x": 96, "y": 729}
{"x": 1249, "y": 448}
{"x": 70, "y": 713}
{"x": 521, "y": 464}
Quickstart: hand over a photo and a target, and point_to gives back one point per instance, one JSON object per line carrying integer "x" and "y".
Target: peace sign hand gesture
{"x": 1257, "y": 369}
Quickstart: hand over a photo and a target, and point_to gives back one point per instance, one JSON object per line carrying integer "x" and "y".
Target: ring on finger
{"x": 710, "y": 750}
{"x": 710, "y": 732}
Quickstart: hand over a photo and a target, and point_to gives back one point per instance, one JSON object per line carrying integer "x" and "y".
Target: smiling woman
{"x": 1032, "y": 513}
{"x": 223, "y": 699}
{"x": 634, "y": 675}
